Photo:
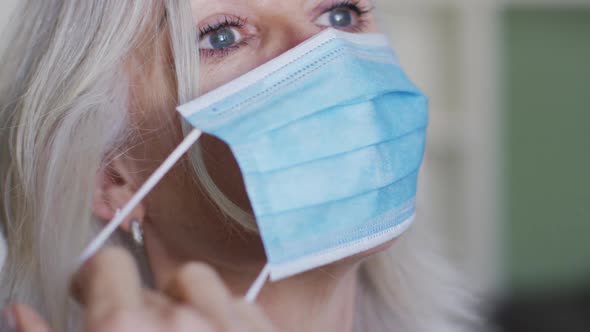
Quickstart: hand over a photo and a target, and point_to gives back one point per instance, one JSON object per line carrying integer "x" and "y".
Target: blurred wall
{"x": 506, "y": 175}
{"x": 547, "y": 147}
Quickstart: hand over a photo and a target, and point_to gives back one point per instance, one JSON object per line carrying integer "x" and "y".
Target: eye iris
{"x": 222, "y": 39}
{"x": 341, "y": 17}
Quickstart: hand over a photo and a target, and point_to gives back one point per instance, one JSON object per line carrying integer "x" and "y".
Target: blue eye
{"x": 338, "y": 18}
{"x": 345, "y": 15}
{"x": 341, "y": 18}
{"x": 221, "y": 39}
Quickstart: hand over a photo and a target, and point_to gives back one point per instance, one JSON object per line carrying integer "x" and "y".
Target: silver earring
{"x": 137, "y": 232}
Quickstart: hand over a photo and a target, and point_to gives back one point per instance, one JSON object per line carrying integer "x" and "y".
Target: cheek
{"x": 224, "y": 170}
{"x": 153, "y": 115}
{"x": 372, "y": 26}
{"x": 216, "y": 72}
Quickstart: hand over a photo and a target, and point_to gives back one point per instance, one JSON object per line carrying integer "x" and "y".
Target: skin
{"x": 204, "y": 296}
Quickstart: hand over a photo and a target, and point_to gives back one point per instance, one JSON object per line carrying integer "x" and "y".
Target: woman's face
{"x": 235, "y": 37}
{"x": 239, "y": 35}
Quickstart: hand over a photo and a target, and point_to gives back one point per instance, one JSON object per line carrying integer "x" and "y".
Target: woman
{"x": 88, "y": 97}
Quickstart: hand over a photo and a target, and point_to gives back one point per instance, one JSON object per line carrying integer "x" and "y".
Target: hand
{"x": 108, "y": 287}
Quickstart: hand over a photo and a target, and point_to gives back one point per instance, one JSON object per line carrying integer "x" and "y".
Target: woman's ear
{"x": 114, "y": 188}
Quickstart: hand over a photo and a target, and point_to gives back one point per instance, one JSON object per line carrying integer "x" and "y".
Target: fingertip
{"x": 97, "y": 265}
{"x": 108, "y": 283}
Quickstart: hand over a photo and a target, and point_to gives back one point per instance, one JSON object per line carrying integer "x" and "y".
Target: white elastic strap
{"x": 153, "y": 180}
{"x": 257, "y": 285}
{"x": 3, "y": 250}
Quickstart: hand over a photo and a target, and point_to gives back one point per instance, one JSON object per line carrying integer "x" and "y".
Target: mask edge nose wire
{"x": 256, "y": 287}
{"x": 145, "y": 189}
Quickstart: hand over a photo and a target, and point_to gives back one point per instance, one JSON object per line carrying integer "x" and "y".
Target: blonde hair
{"x": 64, "y": 109}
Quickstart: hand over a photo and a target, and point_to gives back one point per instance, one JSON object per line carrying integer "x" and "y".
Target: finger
{"x": 186, "y": 319}
{"x": 200, "y": 287}
{"x": 156, "y": 301}
{"x": 107, "y": 284}
{"x": 27, "y": 320}
{"x": 252, "y": 316}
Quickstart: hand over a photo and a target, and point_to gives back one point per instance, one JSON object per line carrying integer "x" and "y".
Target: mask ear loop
{"x": 256, "y": 287}
{"x": 3, "y": 249}
{"x": 145, "y": 189}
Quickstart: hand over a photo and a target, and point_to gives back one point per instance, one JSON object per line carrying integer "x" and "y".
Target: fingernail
{"x": 8, "y": 322}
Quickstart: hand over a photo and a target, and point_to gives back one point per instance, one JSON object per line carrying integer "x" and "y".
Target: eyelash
{"x": 354, "y": 5}
{"x": 240, "y": 22}
{"x": 226, "y": 22}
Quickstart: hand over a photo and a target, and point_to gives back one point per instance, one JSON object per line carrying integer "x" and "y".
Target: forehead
{"x": 203, "y": 8}
{"x": 270, "y": 4}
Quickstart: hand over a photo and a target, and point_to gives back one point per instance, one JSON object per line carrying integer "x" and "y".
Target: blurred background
{"x": 507, "y": 175}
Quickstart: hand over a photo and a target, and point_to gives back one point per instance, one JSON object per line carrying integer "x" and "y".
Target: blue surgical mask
{"x": 329, "y": 138}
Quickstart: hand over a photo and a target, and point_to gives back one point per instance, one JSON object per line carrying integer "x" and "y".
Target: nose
{"x": 298, "y": 32}
{"x": 285, "y": 33}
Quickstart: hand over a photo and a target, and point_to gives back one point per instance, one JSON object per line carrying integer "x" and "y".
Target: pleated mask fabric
{"x": 329, "y": 137}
